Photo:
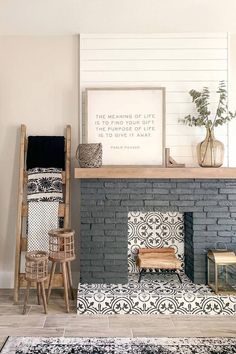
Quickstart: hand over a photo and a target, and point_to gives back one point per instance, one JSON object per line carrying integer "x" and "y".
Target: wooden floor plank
{"x": 58, "y": 323}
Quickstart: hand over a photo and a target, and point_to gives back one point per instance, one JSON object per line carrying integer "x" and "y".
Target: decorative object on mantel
{"x": 169, "y": 161}
{"x": 89, "y": 155}
{"x": 129, "y": 122}
{"x": 210, "y": 152}
{"x": 221, "y": 273}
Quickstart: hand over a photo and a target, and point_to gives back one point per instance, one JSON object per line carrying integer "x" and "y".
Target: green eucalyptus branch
{"x": 201, "y": 101}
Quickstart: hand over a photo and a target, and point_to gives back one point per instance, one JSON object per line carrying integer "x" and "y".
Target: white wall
{"x": 27, "y": 17}
{"x": 232, "y": 99}
{"x": 38, "y": 87}
{"x": 178, "y": 62}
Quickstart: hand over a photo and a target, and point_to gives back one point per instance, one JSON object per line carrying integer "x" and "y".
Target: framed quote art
{"x": 129, "y": 122}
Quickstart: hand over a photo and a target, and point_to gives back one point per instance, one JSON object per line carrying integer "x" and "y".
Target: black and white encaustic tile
{"x": 155, "y": 294}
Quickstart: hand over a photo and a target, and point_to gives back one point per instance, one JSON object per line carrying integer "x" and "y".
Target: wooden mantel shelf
{"x": 156, "y": 172}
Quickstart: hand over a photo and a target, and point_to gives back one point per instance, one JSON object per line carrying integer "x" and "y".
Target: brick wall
{"x": 210, "y": 216}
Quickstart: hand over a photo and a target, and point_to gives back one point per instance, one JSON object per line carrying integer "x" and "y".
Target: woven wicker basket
{"x": 89, "y": 155}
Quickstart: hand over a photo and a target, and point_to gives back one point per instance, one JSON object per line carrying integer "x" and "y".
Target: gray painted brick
{"x": 112, "y": 220}
{"x": 226, "y": 221}
{"x": 181, "y": 191}
{"x": 205, "y": 233}
{"x": 232, "y": 196}
{"x": 189, "y": 185}
{"x": 98, "y": 269}
{"x": 92, "y": 196}
{"x": 121, "y": 214}
{"x": 93, "y": 220}
{"x": 218, "y": 214}
{"x": 141, "y": 196}
{"x": 116, "y": 191}
{"x": 112, "y": 203}
{"x": 166, "y": 197}
{"x": 199, "y": 227}
{"x": 229, "y": 203}
{"x": 132, "y": 203}
{"x": 206, "y": 221}
{"x": 123, "y": 196}
{"x": 228, "y": 190}
{"x": 213, "y": 184}
{"x": 84, "y": 227}
{"x": 115, "y": 184}
{"x": 225, "y": 234}
{"x": 103, "y": 226}
{"x": 155, "y": 203}
{"x": 133, "y": 190}
{"x": 199, "y": 215}
{"x": 191, "y": 197}
{"x": 218, "y": 227}
{"x": 164, "y": 185}
{"x": 88, "y": 201}
{"x": 186, "y": 209}
{"x": 206, "y": 203}
{"x": 111, "y": 233}
{"x": 157, "y": 191}
{"x": 182, "y": 203}
{"x": 206, "y": 191}
{"x": 216, "y": 209}
{"x": 103, "y": 214}
{"x": 85, "y": 214}
{"x": 219, "y": 197}
{"x": 114, "y": 256}
{"x": 139, "y": 185}
{"x": 96, "y": 232}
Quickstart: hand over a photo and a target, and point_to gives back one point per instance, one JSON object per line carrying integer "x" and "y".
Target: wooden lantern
{"x": 222, "y": 271}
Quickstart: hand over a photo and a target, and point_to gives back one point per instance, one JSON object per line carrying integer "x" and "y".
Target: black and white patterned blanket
{"x": 44, "y": 193}
{"x": 44, "y": 184}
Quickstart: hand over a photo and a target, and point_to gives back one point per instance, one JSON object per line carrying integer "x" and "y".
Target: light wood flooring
{"x": 59, "y": 323}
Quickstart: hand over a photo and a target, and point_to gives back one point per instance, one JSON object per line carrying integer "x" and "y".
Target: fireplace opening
{"x": 155, "y": 230}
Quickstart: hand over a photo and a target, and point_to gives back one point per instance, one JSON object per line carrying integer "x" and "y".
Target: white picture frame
{"x": 129, "y": 122}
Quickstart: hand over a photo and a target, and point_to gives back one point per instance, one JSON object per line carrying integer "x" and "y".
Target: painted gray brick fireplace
{"x": 209, "y": 208}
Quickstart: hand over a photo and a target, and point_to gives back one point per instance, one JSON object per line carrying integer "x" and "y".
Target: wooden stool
{"x": 162, "y": 259}
{"x": 36, "y": 270}
{"x": 61, "y": 250}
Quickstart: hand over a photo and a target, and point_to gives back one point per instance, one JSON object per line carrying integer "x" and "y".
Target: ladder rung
{"x": 23, "y": 244}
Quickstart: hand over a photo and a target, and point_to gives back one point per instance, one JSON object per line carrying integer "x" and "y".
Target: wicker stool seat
{"x": 62, "y": 251}
{"x": 36, "y": 270}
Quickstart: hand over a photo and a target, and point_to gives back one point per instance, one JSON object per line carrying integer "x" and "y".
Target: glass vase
{"x": 210, "y": 152}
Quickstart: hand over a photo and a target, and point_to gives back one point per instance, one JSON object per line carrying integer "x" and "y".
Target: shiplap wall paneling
{"x": 178, "y": 62}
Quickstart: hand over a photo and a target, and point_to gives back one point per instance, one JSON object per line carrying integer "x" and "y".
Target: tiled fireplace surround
{"x": 209, "y": 208}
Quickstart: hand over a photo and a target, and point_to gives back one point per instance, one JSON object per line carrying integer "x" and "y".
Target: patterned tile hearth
{"x": 155, "y": 294}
